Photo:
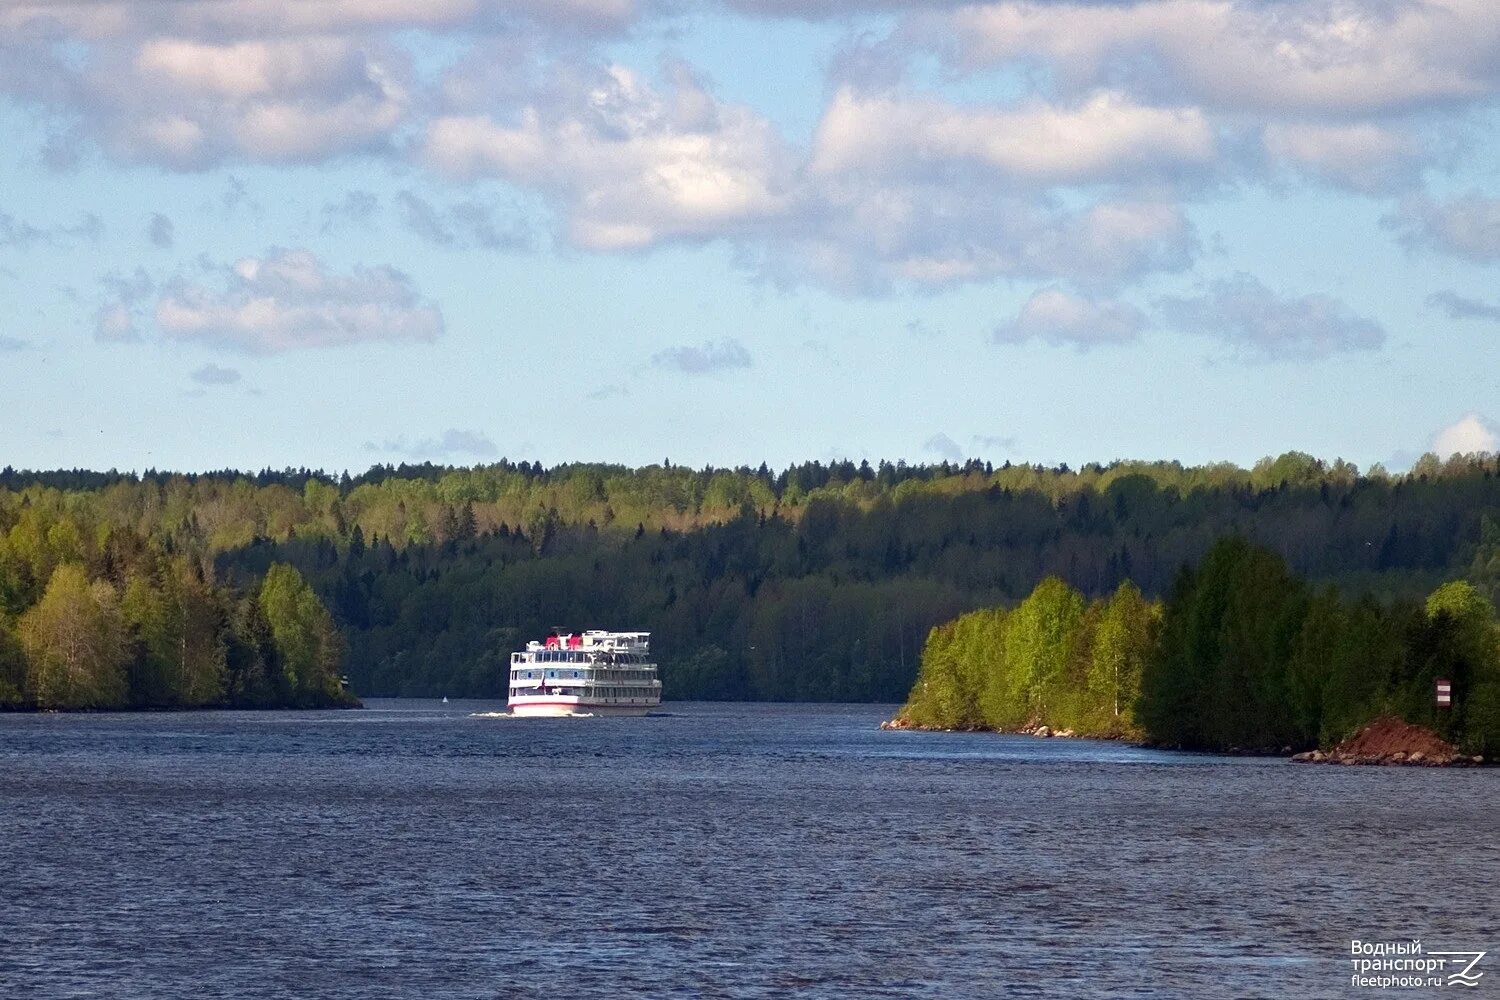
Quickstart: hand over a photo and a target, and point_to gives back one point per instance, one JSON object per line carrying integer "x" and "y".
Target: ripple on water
{"x": 716, "y": 851}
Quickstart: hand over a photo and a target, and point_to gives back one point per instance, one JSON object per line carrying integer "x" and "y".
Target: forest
{"x": 116, "y": 620}
{"x": 818, "y": 582}
{"x": 1242, "y": 655}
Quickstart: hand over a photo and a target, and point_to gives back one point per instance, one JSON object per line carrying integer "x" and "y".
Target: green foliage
{"x": 1482, "y": 729}
{"x": 1464, "y": 648}
{"x": 1248, "y": 660}
{"x": 1472, "y": 616}
{"x": 820, "y": 581}
{"x": 1241, "y": 657}
{"x": 252, "y": 665}
{"x": 12, "y": 666}
{"x": 957, "y": 662}
{"x": 75, "y": 643}
{"x": 172, "y": 639}
{"x": 1039, "y": 640}
{"x": 1052, "y": 661}
{"x": 1222, "y": 676}
{"x": 1124, "y": 637}
{"x": 157, "y": 641}
{"x": 304, "y": 636}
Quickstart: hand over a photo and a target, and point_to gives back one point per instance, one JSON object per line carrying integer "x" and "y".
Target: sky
{"x": 331, "y": 233}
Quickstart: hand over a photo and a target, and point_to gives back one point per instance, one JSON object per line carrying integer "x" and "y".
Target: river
{"x": 413, "y": 849}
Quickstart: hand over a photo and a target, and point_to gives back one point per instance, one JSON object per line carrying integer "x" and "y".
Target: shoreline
{"x": 162, "y": 709}
{"x": 1345, "y": 754}
{"x": 1038, "y": 732}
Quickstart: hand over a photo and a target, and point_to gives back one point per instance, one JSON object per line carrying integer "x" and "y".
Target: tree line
{"x": 1241, "y": 655}
{"x": 820, "y": 581}
{"x": 124, "y": 624}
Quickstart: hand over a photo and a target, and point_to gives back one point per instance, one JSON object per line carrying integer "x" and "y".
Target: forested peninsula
{"x": 818, "y": 582}
{"x": 1241, "y": 656}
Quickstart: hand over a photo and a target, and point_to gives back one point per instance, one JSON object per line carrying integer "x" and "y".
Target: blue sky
{"x": 298, "y": 232}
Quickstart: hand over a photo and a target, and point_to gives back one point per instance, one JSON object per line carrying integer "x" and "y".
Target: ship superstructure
{"x": 586, "y": 673}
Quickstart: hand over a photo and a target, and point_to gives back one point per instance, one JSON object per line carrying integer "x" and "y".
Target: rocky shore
{"x": 1392, "y": 742}
{"x": 1046, "y": 732}
{"x": 1386, "y": 741}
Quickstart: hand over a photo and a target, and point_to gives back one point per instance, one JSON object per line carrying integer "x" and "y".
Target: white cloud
{"x": 453, "y": 443}
{"x": 289, "y": 300}
{"x": 114, "y": 323}
{"x": 944, "y": 447}
{"x": 1058, "y": 318}
{"x": 1124, "y": 105}
{"x": 189, "y": 84}
{"x": 1468, "y": 435}
{"x": 897, "y": 192}
{"x": 19, "y": 234}
{"x": 1467, "y": 226}
{"x": 281, "y": 100}
{"x": 1462, "y": 307}
{"x": 1362, "y": 156}
{"x": 1319, "y": 56}
{"x": 632, "y": 166}
{"x": 1106, "y": 137}
{"x": 869, "y": 236}
{"x": 1249, "y": 317}
{"x": 115, "y": 319}
{"x": 356, "y": 208}
{"x": 189, "y": 103}
{"x": 1000, "y": 442}
{"x": 211, "y": 374}
{"x": 96, "y": 19}
{"x": 812, "y": 10}
{"x": 160, "y": 231}
{"x": 463, "y": 225}
{"x": 710, "y": 357}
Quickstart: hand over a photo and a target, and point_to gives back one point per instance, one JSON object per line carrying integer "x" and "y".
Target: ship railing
{"x": 568, "y": 683}
{"x": 604, "y": 656}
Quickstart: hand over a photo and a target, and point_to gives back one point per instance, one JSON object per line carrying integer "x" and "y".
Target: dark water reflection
{"x": 720, "y": 851}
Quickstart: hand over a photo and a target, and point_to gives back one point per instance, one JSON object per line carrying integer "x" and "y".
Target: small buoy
{"x": 445, "y": 699}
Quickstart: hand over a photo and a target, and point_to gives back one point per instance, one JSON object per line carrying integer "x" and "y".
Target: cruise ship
{"x": 589, "y": 673}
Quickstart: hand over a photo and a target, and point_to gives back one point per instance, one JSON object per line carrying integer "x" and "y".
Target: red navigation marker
{"x": 1444, "y": 692}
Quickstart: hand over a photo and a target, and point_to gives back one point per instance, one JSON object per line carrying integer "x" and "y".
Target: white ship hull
{"x": 555, "y": 707}
{"x": 592, "y": 673}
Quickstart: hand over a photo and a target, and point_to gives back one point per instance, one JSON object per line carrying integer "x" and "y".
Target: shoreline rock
{"x": 1390, "y": 742}
{"x": 1039, "y": 731}
{"x": 1385, "y": 742}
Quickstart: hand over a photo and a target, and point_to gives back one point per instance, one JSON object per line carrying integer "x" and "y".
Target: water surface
{"x": 414, "y": 850}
